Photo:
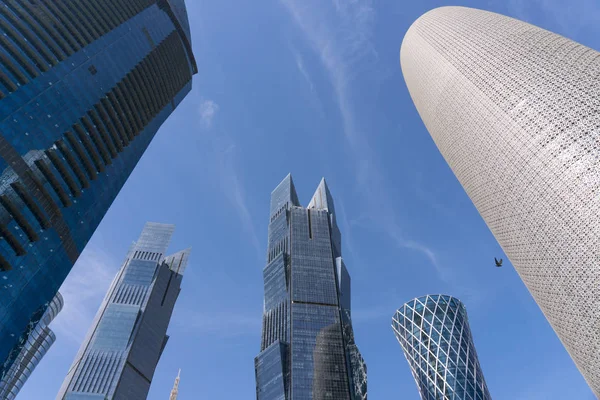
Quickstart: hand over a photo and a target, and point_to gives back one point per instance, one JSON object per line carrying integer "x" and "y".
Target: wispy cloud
{"x": 303, "y": 71}
{"x": 340, "y": 33}
{"x": 208, "y": 110}
{"x": 83, "y": 291}
{"x": 224, "y": 149}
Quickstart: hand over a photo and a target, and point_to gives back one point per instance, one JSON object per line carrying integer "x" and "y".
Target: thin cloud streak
{"x": 344, "y": 47}
{"x": 224, "y": 148}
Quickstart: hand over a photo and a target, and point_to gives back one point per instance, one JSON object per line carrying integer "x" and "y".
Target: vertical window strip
{"x": 12, "y": 240}
{"x": 4, "y": 265}
{"x": 19, "y": 218}
{"x": 103, "y": 134}
{"x": 97, "y": 15}
{"x": 63, "y": 172}
{"x": 89, "y": 147}
{"x": 23, "y": 15}
{"x": 39, "y": 17}
{"x": 127, "y": 103}
{"x": 152, "y": 85}
{"x": 17, "y": 55}
{"x": 97, "y": 140}
{"x": 8, "y": 82}
{"x": 53, "y": 181}
{"x": 121, "y": 114}
{"x": 71, "y": 24}
{"x": 109, "y": 126}
{"x": 85, "y": 161}
{"x": 83, "y": 14}
{"x": 115, "y": 120}
{"x": 13, "y": 69}
{"x": 29, "y": 201}
{"x": 22, "y": 42}
{"x": 140, "y": 106}
{"x": 137, "y": 76}
{"x": 73, "y": 164}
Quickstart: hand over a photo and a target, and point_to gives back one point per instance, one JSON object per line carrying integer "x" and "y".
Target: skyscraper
{"x": 307, "y": 347}
{"x": 434, "y": 334}
{"x": 84, "y": 86}
{"x": 514, "y": 111}
{"x": 124, "y": 344}
{"x": 39, "y": 341}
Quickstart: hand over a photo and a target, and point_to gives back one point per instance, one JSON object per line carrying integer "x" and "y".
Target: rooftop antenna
{"x": 175, "y": 387}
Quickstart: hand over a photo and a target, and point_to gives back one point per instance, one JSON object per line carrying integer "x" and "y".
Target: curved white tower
{"x": 515, "y": 111}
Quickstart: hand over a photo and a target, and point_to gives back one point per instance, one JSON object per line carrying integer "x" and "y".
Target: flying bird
{"x": 498, "y": 263}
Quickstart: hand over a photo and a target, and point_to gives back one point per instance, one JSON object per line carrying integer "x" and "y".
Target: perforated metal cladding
{"x": 514, "y": 111}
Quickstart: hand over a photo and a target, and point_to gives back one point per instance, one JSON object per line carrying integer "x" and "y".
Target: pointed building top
{"x": 322, "y": 198}
{"x": 178, "y": 262}
{"x": 284, "y": 193}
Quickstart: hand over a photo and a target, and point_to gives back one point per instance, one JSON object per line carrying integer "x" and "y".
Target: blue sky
{"x": 314, "y": 87}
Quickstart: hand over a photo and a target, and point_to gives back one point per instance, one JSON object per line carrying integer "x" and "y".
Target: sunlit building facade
{"x": 84, "y": 87}
{"x": 435, "y": 336}
{"x": 308, "y": 350}
{"x": 513, "y": 109}
{"x": 38, "y": 343}
{"x": 126, "y": 340}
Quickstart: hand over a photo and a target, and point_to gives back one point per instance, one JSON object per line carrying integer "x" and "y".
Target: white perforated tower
{"x": 515, "y": 111}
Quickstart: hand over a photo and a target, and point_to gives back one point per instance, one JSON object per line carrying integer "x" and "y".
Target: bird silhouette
{"x": 498, "y": 263}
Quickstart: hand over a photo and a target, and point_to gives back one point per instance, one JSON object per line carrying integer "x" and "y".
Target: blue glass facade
{"x": 84, "y": 87}
{"x": 307, "y": 347}
{"x": 434, "y": 333}
{"x": 124, "y": 344}
{"x": 38, "y": 343}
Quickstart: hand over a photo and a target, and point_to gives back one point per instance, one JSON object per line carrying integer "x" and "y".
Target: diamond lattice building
{"x": 434, "y": 333}
{"x": 513, "y": 109}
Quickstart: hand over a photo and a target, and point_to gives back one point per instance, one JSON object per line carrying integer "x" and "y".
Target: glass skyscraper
{"x": 124, "y": 344}
{"x": 84, "y": 87}
{"x": 513, "y": 109}
{"x": 307, "y": 347}
{"x": 434, "y": 333}
{"x": 38, "y": 343}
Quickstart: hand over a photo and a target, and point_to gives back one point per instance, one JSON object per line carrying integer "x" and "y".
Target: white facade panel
{"x": 515, "y": 111}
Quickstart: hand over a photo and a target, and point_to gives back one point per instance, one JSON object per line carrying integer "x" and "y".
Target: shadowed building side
{"x": 118, "y": 358}
{"x": 513, "y": 109}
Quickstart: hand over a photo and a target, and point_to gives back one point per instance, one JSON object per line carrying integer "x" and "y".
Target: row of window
{"x": 99, "y": 136}
{"x": 41, "y": 33}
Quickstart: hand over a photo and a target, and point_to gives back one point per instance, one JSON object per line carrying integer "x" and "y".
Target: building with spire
{"x": 84, "y": 88}
{"x": 175, "y": 390}
{"x": 307, "y": 346}
{"x": 126, "y": 340}
{"x": 513, "y": 109}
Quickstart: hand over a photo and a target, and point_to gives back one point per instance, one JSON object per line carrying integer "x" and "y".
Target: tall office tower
{"x": 307, "y": 347}
{"x": 124, "y": 344}
{"x": 38, "y": 343}
{"x": 514, "y": 111}
{"x": 175, "y": 390}
{"x": 434, "y": 333}
{"x": 84, "y": 86}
